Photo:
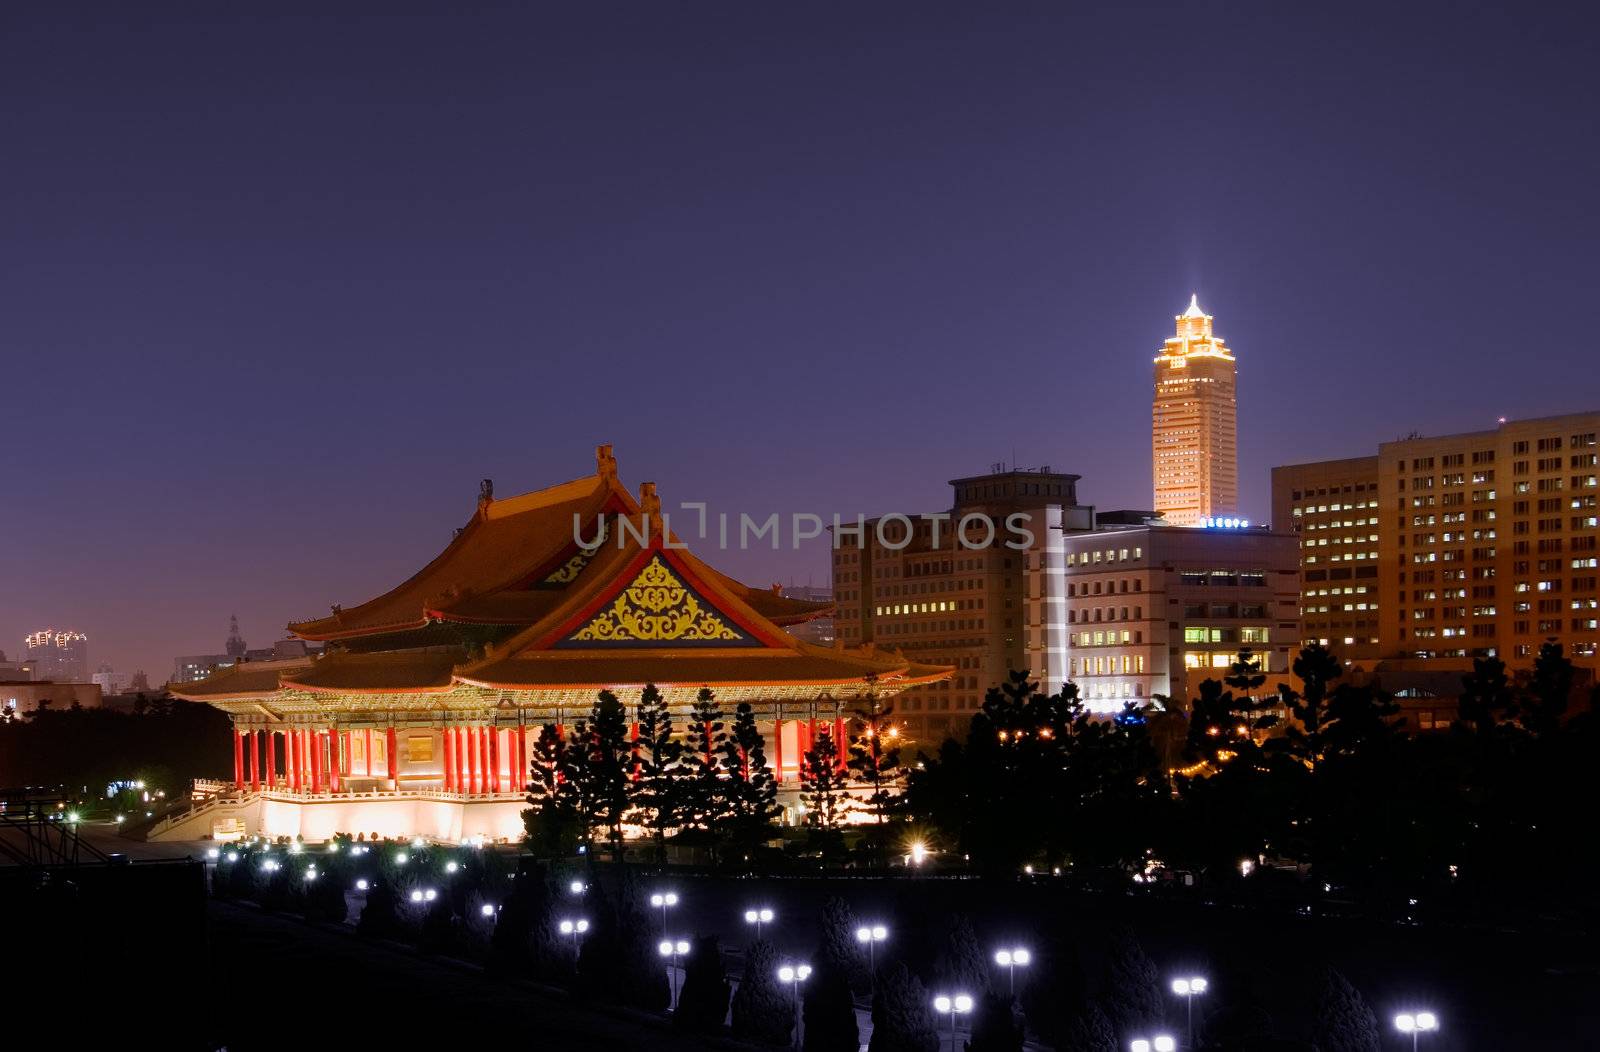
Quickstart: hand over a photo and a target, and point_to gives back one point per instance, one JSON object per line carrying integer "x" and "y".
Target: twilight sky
{"x": 277, "y": 287}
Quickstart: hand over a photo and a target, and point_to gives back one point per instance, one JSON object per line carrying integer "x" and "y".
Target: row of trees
{"x": 706, "y": 783}
{"x": 1322, "y": 776}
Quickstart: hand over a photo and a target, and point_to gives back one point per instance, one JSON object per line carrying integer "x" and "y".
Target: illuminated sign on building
{"x": 1212, "y": 523}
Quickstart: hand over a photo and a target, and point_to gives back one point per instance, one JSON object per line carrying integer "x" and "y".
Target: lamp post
{"x": 794, "y": 975}
{"x": 1416, "y": 1024}
{"x": 1188, "y": 989}
{"x": 959, "y": 1004}
{"x": 1011, "y": 960}
{"x": 574, "y": 928}
{"x": 870, "y": 936}
{"x": 673, "y": 949}
{"x": 664, "y": 901}
{"x": 577, "y": 887}
{"x": 758, "y": 917}
{"x": 1159, "y": 1043}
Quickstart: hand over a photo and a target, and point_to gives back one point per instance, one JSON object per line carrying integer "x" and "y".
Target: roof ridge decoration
{"x": 657, "y": 606}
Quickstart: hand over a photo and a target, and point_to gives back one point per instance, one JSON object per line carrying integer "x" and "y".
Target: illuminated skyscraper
{"x": 1194, "y": 443}
{"x": 62, "y": 657}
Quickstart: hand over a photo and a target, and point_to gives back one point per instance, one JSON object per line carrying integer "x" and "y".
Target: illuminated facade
{"x": 1194, "y": 428}
{"x": 420, "y": 716}
{"x": 1153, "y": 609}
{"x": 1333, "y": 507}
{"x": 60, "y": 656}
{"x": 961, "y": 597}
{"x": 1488, "y": 543}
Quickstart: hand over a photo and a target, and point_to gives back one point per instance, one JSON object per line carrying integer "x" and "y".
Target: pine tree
{"x": 644, "y": 982}
{"x": 658, "y": 791}
{"x": 1344, "y": 1021}
{"x": 1089, "y": 1031}
{"x": 822, "y": 790}
{"x": 703, "y": 998}
{"x": 602, "y": 770}
{"x": 959, "y": 964}
{"x": 380, "y": 916}
{"x": 523, "y": 907}
{"x": 705, "y": 738}
{"x": 762, "y": 1012}
{"x": 902, "y": 1016}
{"x": 751, "y": 790}
{"x": 996, "y": 1026}
{"x": 551, "y": 818}
{"x": 875, "y": 763}
{"x": 829, "y": 1012}
{"x": 1132, "y": 991}
{"x": 838, "y": 948}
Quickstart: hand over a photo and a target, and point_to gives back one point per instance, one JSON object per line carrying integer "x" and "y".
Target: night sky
{"x": 278, "y": 288}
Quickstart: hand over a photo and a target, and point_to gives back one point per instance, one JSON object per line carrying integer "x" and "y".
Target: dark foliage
{"x": 996, "y": 1025}
{"x": 829, "y": 1012}
{"x": 703, "y": 998}
{"x": 762, "y": 1010}
{"x": 1345, "y": 1023}
{"x": 902, "y": 1019}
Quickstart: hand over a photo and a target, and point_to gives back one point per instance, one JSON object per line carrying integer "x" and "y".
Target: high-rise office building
{"x": 1194, "y": 424}
{"x": 952, "y": 589}
{"x": 1488, "y": 543}
{"x": 59, "y": 656}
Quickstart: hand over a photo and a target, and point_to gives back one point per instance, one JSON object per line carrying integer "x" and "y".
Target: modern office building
{"x": 1153, "y": 609}
{"x": 977, "y": 588}
{"x": 1333, "y": 507}
{"x": 1487, "y": 541}
{"x": 59, "y": 656}
{"x": 192, "y": 668}
{"x": 1194, "y": 428}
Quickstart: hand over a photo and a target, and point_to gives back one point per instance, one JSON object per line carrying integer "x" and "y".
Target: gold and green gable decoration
{"x": 657, "y": 607}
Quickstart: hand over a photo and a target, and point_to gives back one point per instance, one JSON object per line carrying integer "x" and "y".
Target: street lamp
{"x": 1416, "y": 1024}
{"x": 674, "y": 950}
{"x": 758, "y": 917}
{"x": 1011, "y": 960}
{"x": 574, "y": 928}
{"x": 870, "y": 937}
{"x": 663, "y": 901}
{"x": 1159, "y": 1043}
{"x": 1188, "y": 989}
{"x": 793, "y": 975}
{"x": 576, "y": 887}
{"x": 960, "y": 1004}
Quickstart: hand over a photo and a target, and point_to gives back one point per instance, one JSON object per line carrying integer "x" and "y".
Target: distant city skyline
{"x": 305, "y": 288}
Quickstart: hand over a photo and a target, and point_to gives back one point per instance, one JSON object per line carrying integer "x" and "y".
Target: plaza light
{"x": 233, "y": 856}
{"x": 792, "y": 975}
{"x": 664, "y": 900}
{"x": 401, "y": 858}
{"x": 953, "y": 1005}
{"x": 486, "y": 910}
{"x": 1189, "y": 989}
{"x": 1416, "y": 1024}
{"x": 673, "y": 949}
{"x": 362, "y": 885}
{"x": 574, "y": 928}
{"x": 213, "y": 854}
{"x": 451, "y": 866}
{"x": 1011, "y": 960}
{"x": 919, "y": 852}
{"x": 758, "y": 917}
{"x": 1159, "y": 1043}
{"x": 870, "y": 936}
{"x": 576, "y": 887}
{"x": 416, "y": 896}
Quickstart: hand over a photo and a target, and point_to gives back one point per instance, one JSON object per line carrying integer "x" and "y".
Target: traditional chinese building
{"x": 419, "y": 717}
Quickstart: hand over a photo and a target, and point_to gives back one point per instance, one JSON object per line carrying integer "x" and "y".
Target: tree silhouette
{"x": 902, "y": 1017}
{"x": 705, "y": 737}
{"x": 822, "y": 791}
{"x": 875, "y": 763}
{"x": 1344, "y": 1022}
{"x": 553, "y": 819}
{"x": 1131, "y": 993}
{"x": 762, "y": 1012}
{"x": 658, "y": 791}
{"x": 703, "y": 998}
{"x": 747, "y": 781}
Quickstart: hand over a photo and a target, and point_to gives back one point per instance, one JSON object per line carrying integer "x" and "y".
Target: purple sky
{"x": 277, "y": 289}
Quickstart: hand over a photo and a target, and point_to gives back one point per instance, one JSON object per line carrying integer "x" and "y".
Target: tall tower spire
{"x": 235, "y": 646}
{"x": 1194, "y": 423}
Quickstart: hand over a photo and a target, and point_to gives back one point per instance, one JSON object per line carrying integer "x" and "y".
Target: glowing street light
{"x": 1189, "y": 989}
{"x": 664, "y": 900}
{"x": 758, "y": 917}
{"x": 577, "y": 887}
{"x": 870, "y": 937}
{"x": 574, "y": 928}
{"x": 919, "y": 852}
{"x": 793, "y": 975}
{"x": 1011, "y": 960}
{"x": 486, "y": 910}
{"x": 1159, "y": 1043}
{"x": 959, "y": 1004}
{"x": 1416, "y": 1024}
{"x": 362, "y": 884}
{"x": 673, "y": 949}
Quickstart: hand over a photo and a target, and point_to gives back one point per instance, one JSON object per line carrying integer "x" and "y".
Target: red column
{"x": 252, "y": 737}
{"x": 316, "y": 761}
{"x": 449, "y": 761}
{"x": 238, "y": 759}
{"x": 272, "y": 758}
{"x": 633, "y": 736}
{"x": 472, "y": 759}
{"x": 494, "y": 758}
{"x": 291, "y": 760}
{"x": 461, "y": 759}
{"x": 777, "y": 750}
{"x": 334, "y": 760}
{"x": 369, "y": 752}
{"x": 521, "y": 781}
{"x": 392, "y": 754}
